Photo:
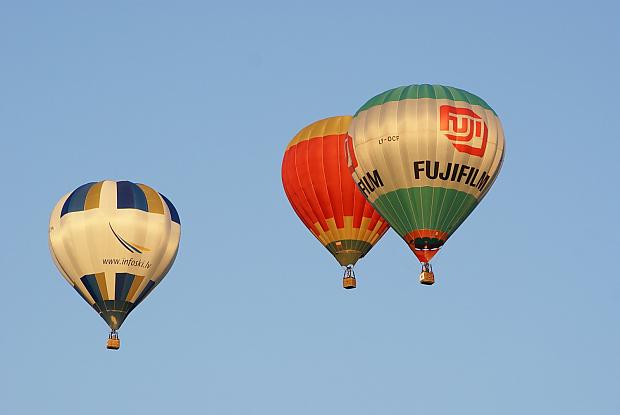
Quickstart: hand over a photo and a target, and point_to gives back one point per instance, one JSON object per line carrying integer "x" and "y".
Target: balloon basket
{"x": 114, "y": 343}
{"x": 348, "y": 281}
{"x": 427, "y": 277}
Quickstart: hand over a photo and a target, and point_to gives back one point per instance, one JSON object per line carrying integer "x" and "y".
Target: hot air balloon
{"x": 425, "y": 156}
{"x": 320, "y": 189}
{"x": 114, "y": 242}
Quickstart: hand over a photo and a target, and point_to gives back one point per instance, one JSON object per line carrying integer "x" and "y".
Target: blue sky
{"x": 199, "y": 101}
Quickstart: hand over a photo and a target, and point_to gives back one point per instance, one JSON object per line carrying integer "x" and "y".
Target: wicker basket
{"x": 113, "y": 344}
{"x": 427, "y": 278}
{"x": 348, "y": 283}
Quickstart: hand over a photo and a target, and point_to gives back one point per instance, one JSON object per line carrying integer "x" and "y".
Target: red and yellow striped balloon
{"x": 319, "y": 186}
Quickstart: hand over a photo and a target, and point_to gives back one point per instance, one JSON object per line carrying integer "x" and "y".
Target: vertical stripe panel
{"x": 90, "y": 282}
{"x": 130, "y": 196}
{"x": 123, "y": 285}
{"x": 154, "y": 202}
{"x": 332, "y": 177}
{"x": 147, "y": 289}
{"x": 93, "y": 196}
{"x": 134, "y": 286}
{"x": 101, "y": 283}
{"x": 75, "y": 201}
{"x": 294, "y": 190}
{"x": 174, "y": 215}
{"x": 75, "y": 287}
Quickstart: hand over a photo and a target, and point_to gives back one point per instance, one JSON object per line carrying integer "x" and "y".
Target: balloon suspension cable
{"x": 348, "y": 272}
{"x": 426, "y": 267}
{"x": 113, "y": 335}
{"x": 348, "y": 281}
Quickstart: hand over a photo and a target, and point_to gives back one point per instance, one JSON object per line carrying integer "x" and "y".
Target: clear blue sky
{"x": 199, "y": 101}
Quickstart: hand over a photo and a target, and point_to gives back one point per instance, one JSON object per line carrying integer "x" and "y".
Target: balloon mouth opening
{"x": 424, "y": 245}
{"x": 347, "y": 258}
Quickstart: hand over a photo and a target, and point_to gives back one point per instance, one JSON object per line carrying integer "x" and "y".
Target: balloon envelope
{"x": 319, "y": 186}
{"x": 114, "y": 242}
{"x": 424, "y": 156}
